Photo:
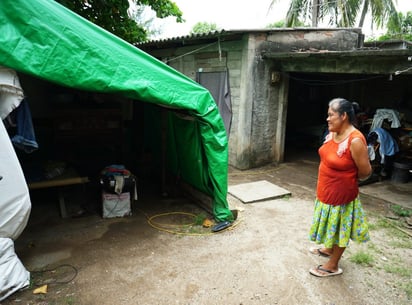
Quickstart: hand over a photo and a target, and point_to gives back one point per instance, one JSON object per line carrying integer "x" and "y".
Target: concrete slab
{"x": 395, "y": 193}
{"x": 257, "y": 191}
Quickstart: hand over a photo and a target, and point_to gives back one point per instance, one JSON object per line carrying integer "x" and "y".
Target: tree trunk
{"x": 364, "y": 11}
{"x": 315, "y": 13}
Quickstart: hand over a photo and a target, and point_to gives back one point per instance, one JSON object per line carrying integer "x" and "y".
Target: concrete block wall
{"x": 259, "y": 107}
{"x": 224, "y": 57}
{"x": 254, "y": 136}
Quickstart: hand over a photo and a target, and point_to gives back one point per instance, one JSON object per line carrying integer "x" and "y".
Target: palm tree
{"x": 341, "y": 13}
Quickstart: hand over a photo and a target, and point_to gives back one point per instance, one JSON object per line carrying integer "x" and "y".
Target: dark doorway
{"x": 309, "y": 94}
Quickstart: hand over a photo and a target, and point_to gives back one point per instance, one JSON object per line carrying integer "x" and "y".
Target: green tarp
{"x": 46, "y": 40}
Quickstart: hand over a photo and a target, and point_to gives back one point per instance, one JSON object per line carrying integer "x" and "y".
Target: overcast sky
{"x": 238, "y": 14}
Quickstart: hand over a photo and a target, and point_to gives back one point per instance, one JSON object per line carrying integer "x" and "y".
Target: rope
{"x": 176, "y": 228}
{"x": 54, "y": 271}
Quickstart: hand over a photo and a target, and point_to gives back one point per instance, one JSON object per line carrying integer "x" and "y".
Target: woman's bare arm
{"x": 360, "y": 155}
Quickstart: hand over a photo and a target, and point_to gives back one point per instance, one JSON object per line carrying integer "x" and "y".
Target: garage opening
{"x": 309, "y": 94}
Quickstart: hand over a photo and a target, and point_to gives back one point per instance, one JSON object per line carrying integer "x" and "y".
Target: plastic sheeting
{"x": 15, "y": 203}
{"x": 14, "y": 213}
{"x": 13, "y": 275}
{"x": 44, "y": 39}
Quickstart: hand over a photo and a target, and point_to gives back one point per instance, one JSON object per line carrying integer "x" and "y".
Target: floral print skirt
{"x": 336, "y": 225}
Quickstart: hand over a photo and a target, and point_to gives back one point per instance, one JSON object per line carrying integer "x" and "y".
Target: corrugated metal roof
{"x": 189, "y": 36}
{"x": 190, "y": 39}
{"x": 228, "y": 34}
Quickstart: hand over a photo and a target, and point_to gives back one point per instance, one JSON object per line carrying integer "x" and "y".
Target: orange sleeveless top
{"x": 338, "y": 174}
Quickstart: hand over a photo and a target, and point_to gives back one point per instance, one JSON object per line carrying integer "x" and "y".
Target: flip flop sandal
{"x": 317, "y": 251}
{"x": 221, "y": 226}
{"x": 324, "y": 272}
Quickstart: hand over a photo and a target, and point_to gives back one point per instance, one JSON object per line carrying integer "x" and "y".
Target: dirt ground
{"x": 156, "y": 256}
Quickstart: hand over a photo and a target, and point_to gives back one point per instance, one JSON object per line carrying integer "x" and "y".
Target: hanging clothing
{"x": 388, "y": 114}
{"x": 11, "y": 93}
{"x": 218, "y": 85}
{"x": 24, "y": 138}
{"x": 387, "y": 145}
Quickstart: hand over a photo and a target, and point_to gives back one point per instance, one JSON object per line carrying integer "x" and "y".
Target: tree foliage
{"x": 277, "y": 24}
{"x": 340, "y": 13}
{"x": 282, "y": 24}
{"x": 113, "y": 15}
{"x": 402, "y": 30}
{"x": 203, "y": 27}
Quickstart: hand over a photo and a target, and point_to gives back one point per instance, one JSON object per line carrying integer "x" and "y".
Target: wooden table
{"x": 59, "y": 182}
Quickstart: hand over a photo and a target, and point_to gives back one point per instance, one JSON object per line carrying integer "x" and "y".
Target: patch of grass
{"x": 405, "y": 243}
{"x": 392, "y": 226}
{"x": 69, "y": 300}
{"x": 401, "y": 211}
{"x": 372, "y": 226}
{"x": 402, "y": 271}
{"x": 396, "y": 239}
{"x": 381, "y": 223}
{"x": 395, "y": 232}
{"x": 370, "y": 284}
{"x": 362, "y": 258}
{"x": 374, "y": 248}
{"x": 199, "y": 219}
{"x": 408, "y": 290}
{"x": 31, "y": 282}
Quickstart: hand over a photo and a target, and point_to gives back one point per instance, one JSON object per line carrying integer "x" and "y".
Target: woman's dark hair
{"x": 340, "y": 105}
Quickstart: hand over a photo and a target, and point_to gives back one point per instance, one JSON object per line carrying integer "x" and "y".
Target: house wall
{"x": 252, "y": 138}
{"x": 276, "y": 97}
{"x": 259, "y": 105}
{"x": 219, "y": 56}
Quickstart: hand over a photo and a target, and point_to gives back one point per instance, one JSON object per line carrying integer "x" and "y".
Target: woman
{"x": 338, "y": 215}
